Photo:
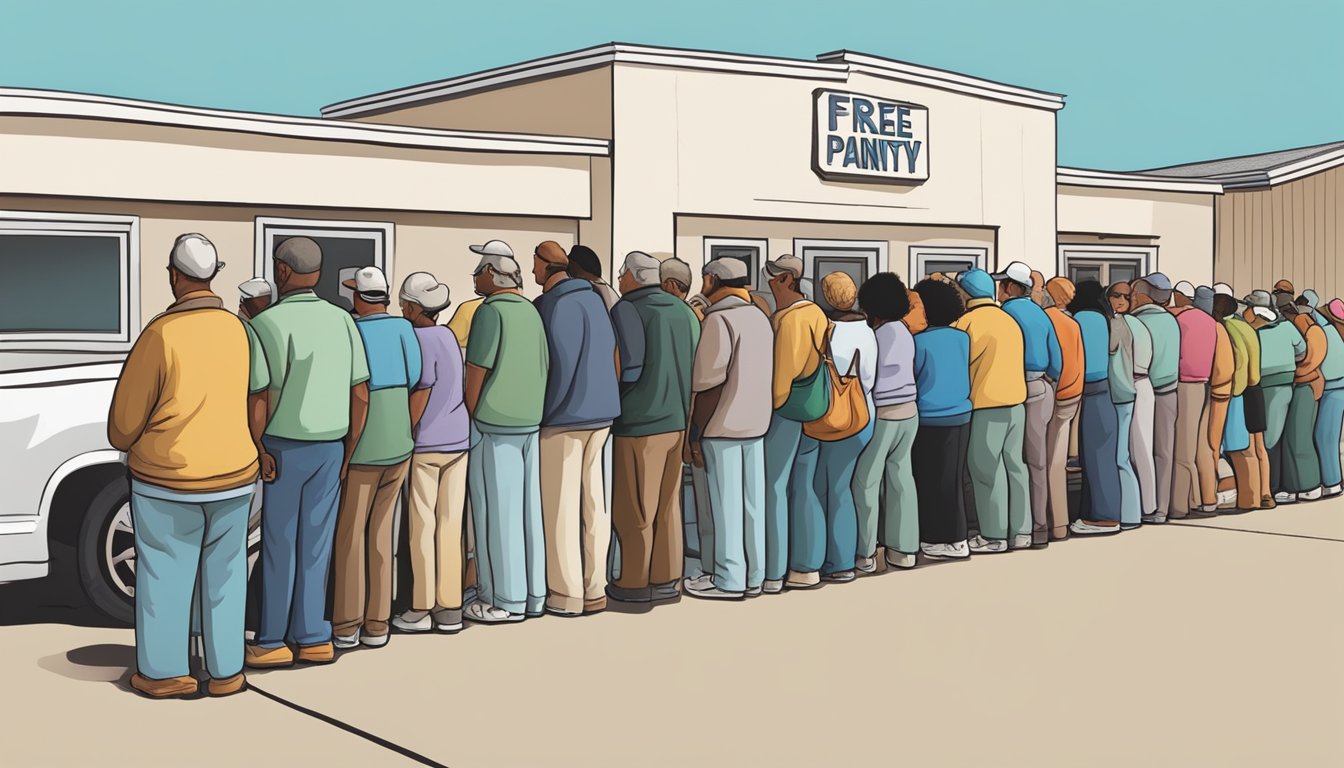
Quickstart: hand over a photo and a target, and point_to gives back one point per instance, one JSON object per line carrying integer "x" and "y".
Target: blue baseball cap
{"x": 976, "y": 283}
{"x": 1158, "y": 280}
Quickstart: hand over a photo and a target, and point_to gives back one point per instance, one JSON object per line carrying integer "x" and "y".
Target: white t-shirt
{"x": 848, "y": 338}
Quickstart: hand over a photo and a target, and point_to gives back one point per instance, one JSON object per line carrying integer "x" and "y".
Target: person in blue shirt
{"x": 1044, "y": 361}
{"x": 1099, "y": 512}
{"x": 362, "y": 607}
{"x": 943, "y": 398}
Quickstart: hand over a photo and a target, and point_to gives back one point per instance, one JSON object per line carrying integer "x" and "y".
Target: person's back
{"x": 393, "y": 354}
{"x": 460, "y": 323}
{"x": 1165, "y": 332}
{"x": 659, "y": 400}
{"x": 1199, "y": 338}
{"x": 444, "y": 426}
{"x": 1041, "y": 347}
{"x": 852, "y": 339}
{"x": 998, "y": 355}
{"x": 1096, "y": 334}
{"x": 581, "y": 390}
{"x": 943, "y": 376}
{"x": 735, "y": 351}
{"x": 507, "y": 339}
{"x": 799, "y": 330}
{"x": 1281, "y": 345}
{"x": 895, "y": 376}
{"x": 1070, "y": 383}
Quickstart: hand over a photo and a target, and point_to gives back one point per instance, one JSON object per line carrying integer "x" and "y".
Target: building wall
{"x": 435, "y": 243}
{"x": 1180, "y": 224}
{"x": 107, "y": 159}
{"x": 1293, "y": 230}
{"x": 689, "y": 142}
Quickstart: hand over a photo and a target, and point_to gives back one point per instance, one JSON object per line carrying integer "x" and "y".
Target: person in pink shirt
{"x": 1199, "y": 335}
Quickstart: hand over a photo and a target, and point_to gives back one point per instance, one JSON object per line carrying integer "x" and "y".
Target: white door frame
{"x": 1145, "y": 254}
{"x": 268, "y": 228}
{"x": 920, "y": 254}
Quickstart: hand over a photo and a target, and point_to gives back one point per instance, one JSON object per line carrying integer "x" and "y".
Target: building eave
{"x": 1086, "y": 177}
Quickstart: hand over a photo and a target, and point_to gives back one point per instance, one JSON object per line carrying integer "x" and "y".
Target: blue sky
{"x": 1148, "y": 83}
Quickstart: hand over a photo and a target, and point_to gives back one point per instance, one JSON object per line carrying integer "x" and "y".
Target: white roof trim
{"x": 58, "y": 104}
{"x": 1306, "y": 167}
{"x": 1084, "y": 177}
{"x": 835, "y": 66}
{"x": 946, "y": 80}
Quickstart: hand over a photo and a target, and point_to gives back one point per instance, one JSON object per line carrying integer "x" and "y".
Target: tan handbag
{"x": 848, "y": 412}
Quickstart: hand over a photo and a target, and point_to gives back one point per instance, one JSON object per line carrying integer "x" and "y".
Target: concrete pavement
{"x": 1214, "y": 642}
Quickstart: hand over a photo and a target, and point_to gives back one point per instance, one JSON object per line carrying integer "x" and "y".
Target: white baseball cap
{"x": 1017, "y": 272}
{"x": 493, "y": 248}
{"x": 1186, "y": 289}
{"x": 255, "y": 288}
{"x": 194, "y": 256}
{"x": 1223, "y": 289}
{"x": 425, "y": 290}
{"x": 368, "y": 280}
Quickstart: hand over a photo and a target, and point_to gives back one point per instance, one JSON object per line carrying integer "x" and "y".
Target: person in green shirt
{"x": 319, "y": 398}
{"x": 507, "y": 365}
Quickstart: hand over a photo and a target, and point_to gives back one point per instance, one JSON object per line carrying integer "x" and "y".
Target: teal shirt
{"x": 315, "y": 356}
{"x": 1165, "y": 333}
{"x": 508, "y": 340}
{"x": 1281, "y": 346}
{"x": 1332, "y": 369}
{"x": 656, "y": 334}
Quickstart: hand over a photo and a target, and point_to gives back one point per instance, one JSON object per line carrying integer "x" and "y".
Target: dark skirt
{"x": 1253, "y": 402}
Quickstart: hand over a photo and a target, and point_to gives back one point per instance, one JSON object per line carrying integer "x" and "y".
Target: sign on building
{"x": 866, "y": 138}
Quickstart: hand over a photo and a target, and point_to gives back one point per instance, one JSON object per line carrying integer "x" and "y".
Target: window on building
{"x": 71, "y": 281}
{"x": 925, "y": 260}
{"x": 346, "y": 247}
{"x": 1105, "y": 264}
{"x": 750, "y": 251}
{"x": 860, "y": 259}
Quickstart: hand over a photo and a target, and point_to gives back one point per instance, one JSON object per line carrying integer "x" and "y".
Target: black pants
{"x": 939, "y": 466}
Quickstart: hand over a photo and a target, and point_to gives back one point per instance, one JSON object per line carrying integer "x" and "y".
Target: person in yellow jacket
{"x": 800, "y": 331}
{"x": 1000, "y": 483}
{"x": 1244, "y": 438}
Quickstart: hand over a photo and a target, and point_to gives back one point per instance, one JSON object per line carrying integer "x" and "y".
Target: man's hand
{"x": 268, "y": 471}
{"x": 690, "y": 454}
{"x": 345, "y": 470}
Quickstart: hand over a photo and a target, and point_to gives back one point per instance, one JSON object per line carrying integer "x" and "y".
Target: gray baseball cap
{"x": 786, "y": 263}
{"x": 726, "y": 269}
{"x": 302, "y": 254}
{"x": 1260, "y": 299}
{"x": 675, "y": 269}
{"x": 1158, "y": 280}
{"x": 1204, "y": 298}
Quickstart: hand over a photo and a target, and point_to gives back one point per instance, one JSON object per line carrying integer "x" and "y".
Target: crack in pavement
{"x": 1182, "y": 524}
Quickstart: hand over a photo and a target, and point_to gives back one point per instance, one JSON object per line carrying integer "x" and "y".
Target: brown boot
{"x": 171, "y": 688}
{"x": 257, "y": 657}
{"x": 1268, "y": 502}
{"x": 595, "y": 606}
{"x": 228, "y": 686}
{"x": 322, "y": 653}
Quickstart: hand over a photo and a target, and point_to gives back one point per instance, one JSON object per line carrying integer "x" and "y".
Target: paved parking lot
{"x": 1208, "y": 643}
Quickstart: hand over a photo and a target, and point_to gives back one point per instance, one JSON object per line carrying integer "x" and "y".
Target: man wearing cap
{"x": 1281, "y": 347}
{"x": 1000, "y": 481}
{"x": 1149, "y": 297}
{"x": 507, "y": 368}
{"x": 675, "y": 277}
{"x": 320, "y": 397}
{"x": 1221, "y": 377}
{"x": 800, "y": 332}
{"x": 1301, "y": 463}
{"x": 377, "y": 468}
{"x": 438, "y": 471}
{"x": 1199, "y": 337}
{"x": 1059, "y": 291}
{"x": 585, "y": 265}
{"x": 188, "y": 410}
{"x": 254, "y": 296}
{"x": 732, "y": 370}
{"x": 581, "y": 402}
{"x": 1237, "y": 441}
{"x": 1330, "y": 414}
{"x": 1043, "y": 366}
{"x": 656, "y": 334}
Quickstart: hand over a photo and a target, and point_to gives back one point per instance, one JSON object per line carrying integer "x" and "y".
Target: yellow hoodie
{"x": 800, "y": 330}
{"x": 998, "y": 355}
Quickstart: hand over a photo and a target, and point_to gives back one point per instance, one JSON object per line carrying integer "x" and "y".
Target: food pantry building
{"x": 852, "y": 162}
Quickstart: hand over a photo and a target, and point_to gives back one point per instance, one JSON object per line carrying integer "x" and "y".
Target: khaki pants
{"x": 574, "y": 516}
{"x": 1057, "y": 456}
{"x": 438, "y": 496}
{"x": 1192, "y": 429}
{"x": 1040, "y": 408}
{"x": 363, "y": 549}
{"x": 1211, "y": 427}
{"x": 646, "y": 510}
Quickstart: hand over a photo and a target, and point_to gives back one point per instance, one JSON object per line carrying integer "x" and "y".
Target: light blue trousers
{"x": 1131, "y": 502}
{"x": 177, "y": 545}
{"x": 1329, "y": 422}
{"x": 735, "y": 471}
{"x": 504, "y": 482}
{"x": 823, "y": 524}
{"x": 883, "y": 486}
{"x": 781, "y": 452}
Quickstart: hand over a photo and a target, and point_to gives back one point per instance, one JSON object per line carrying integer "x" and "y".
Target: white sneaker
{"x": 752, "y": 592}
{"x": 773, "y": 586}
{"x": 713, "y": 593}
{"x": 900, "y": 559}
{"x": 374, "y": 641}
{"x": 954, "y": 551}
{"x": 413, "y": 621}
{"x": 703, "y": 581}
{"x": 1155, "y": 519}
{"x": 448, "y": 620}
{"x": 1284, "y": 498}
{"x": 982, "y": 546}
{"x": 800, "y": 580}
{"x": 866, "y": 564}
{"x": 840, "y": 577}
{"x": 1333, "y": 490}
{"x": 1312, "y": 495}
{"x": 1084, "y": 528}
{"x": 488, "y": 614}
{"x": 1227, "y": 499}
{"x": 1022, "y": 541}
{"x": 346, "y": 642}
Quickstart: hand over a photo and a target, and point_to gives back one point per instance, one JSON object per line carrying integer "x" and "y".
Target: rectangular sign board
{"x": 867, "y": 138}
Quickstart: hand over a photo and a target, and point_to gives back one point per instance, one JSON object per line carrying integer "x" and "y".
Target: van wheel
{"x": 105, "y": 552}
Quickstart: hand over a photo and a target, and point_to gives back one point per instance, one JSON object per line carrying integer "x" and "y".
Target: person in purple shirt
{"x": 438, "y": 475}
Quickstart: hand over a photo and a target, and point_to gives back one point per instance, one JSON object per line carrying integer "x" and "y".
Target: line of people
{"x": 933, "y": 419}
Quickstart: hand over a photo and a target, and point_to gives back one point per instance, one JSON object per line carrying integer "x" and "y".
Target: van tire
{"x": 97, "y": 583}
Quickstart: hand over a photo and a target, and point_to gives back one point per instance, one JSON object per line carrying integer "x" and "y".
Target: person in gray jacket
{"x": 731, "y": 381}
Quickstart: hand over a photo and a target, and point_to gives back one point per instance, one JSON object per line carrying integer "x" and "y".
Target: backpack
{"x": 847, "y": 414}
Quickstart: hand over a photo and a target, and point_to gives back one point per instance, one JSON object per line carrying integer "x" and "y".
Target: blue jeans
{"x": 823, "y": 524}
{"x": 1329, "y": 421}
{"x": 735, "y": 472}
{"x": 180, "y": 538}
{"x": 1235, "y": 436}
{"x": 1099, "y": 449}
{"x": 298, "y": 523}
{"x": 504, "y": 482}
{"x": 1130, "y": 500}
{"x": 781, "y": 451}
